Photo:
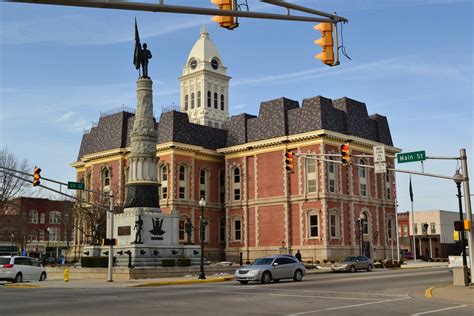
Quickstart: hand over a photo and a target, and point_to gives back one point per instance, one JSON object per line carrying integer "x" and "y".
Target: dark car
{"x": 353, "y": 263}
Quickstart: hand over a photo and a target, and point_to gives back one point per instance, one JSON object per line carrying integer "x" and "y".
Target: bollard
{"x": 66, "y": 275}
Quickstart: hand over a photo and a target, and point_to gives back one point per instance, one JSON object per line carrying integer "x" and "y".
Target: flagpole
{"x": 413, "y": 221}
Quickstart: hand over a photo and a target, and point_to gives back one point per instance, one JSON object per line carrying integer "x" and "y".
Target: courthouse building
{"x": 237, "y": 164}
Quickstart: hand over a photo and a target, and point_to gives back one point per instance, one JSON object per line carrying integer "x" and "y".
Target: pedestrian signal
{"x": 467, "y": 225}
{"x": 36, "y": 176}
{"x": 458, "y": 226}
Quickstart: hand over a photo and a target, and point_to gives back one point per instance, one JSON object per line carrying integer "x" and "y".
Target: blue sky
{"x": 412, "y": 61}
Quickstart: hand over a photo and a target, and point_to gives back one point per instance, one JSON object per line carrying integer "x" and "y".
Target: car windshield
{"x": 4, "y": 260}
{"x": 346, "y": 259}
{"x": 262, "y": 261}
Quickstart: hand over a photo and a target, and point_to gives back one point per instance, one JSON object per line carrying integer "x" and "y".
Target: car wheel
{"x": 18, "y": 278}
{"x": 43, "y": 277}
{"x": 244, "y": 282}
{"x": 369, "y": 268}
{"x": 298, "y": 276}
{"x": 352, "y": 269}
{"x": 266, "y": 277}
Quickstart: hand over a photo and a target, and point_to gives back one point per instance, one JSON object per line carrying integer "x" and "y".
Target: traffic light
{"x": 228, "y": 22}
{"x": 326, "y": 42}
{"x": 289, "y": 157}
{"x": 467, "y": 225}
{"x": 345, "y": 154}
{"x": 36, "y": 176}
{"x": 458, "y": 226}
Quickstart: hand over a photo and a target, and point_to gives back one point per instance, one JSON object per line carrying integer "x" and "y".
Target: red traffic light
{"x": 345, "y": 154}
{"x": 289, "y": 157}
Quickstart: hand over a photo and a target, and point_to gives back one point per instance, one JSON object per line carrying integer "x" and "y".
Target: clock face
{"x": 214, "y": 63}
{"x": 193, "y": 64}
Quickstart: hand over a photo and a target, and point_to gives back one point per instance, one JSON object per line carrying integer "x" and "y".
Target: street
{"x": 381, "y": 292}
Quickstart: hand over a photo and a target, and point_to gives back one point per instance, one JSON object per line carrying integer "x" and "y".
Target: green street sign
{"x": 410, "y": 157}
{"x": 75, "y": 186}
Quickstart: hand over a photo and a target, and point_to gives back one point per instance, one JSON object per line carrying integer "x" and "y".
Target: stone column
{"x": 142, "y": 185}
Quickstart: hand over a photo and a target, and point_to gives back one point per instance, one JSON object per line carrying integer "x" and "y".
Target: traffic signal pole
{"x": 467, "y": 205}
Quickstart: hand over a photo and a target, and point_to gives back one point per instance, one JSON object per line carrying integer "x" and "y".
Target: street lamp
{"x": 202, "y": 204}
{"x": 11, "y": 250}
{"x": 361, "y": 236}
{"x": 47, "y": 245}
{"x": 458, "y": 178}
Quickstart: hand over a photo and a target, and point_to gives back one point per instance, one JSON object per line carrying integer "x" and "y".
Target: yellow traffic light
{"x": 36, "y": 176}
{"x": 345, "y": 154}
{"x": 228, "y": 22}
{"x": 290, "y": 165}
{"x": 456, "y": 236}
{"x": 467, "y": 225}
{"x": 326, "y": 42}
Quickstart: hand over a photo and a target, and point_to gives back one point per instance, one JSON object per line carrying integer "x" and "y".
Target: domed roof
{"x": 204, "y": 49}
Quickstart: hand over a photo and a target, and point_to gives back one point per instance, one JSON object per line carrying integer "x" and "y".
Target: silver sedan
{"x": 353, "y": 263}
{"x": 270, "y": 268}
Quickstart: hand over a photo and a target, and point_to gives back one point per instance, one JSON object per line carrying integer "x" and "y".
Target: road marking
{"x": 348, "y": 306}
{"x": 438, "y": 310}
{"x": 429, "y": 292}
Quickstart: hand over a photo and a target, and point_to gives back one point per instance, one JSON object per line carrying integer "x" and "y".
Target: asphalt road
{"x": 381, "y": 292}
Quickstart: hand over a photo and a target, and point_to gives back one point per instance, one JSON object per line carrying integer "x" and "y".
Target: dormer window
{"x": 193, "y": 64}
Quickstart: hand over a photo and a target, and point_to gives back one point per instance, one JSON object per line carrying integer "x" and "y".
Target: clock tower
{"x": 205, "y": 84}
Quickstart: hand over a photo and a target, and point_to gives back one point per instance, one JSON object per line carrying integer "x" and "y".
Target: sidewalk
{"x": 458, "y": 294}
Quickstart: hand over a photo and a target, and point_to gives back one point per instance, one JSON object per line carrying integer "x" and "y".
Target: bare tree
{"x": 11, "y": 186}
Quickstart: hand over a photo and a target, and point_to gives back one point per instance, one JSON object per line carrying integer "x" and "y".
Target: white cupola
{"x": 205, "y": 84}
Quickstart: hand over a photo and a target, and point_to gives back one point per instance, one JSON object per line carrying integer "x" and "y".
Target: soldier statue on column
{"x": 142, "y": 54}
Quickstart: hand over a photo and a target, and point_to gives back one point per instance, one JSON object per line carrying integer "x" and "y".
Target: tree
{"x": 11, "y": 186}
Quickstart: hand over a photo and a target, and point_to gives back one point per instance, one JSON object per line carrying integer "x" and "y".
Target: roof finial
{"x": 204, "y": 32}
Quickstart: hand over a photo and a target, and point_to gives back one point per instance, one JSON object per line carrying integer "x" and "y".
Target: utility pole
{"x": 110, "y": 216}
{"x": 467, "y": 204}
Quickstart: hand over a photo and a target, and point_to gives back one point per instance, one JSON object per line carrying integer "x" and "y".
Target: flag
{"x": 411, "y": 191}
{"x": 138, "y": 48}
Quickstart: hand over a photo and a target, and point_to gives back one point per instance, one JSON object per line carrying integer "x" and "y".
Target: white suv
{"x": 21, "y": 268}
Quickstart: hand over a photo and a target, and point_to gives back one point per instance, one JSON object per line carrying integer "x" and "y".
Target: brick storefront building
{"x": 254, "y": 206}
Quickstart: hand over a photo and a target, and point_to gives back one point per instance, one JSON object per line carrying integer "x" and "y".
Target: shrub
{"x": 184, "y": 262}
{"x": 325, "y": 261}
{"x": 317, "y": 262}
{"x": 95, "y": 262}
{"x": 167, "y": 262}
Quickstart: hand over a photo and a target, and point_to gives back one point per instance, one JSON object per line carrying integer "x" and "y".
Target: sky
{"x": 412, "y": 61}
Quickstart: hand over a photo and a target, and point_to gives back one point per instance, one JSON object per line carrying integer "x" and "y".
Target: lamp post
{"x": 458, "y": 178}
{"x": 361, "y": 236}
{"x": 202, "y": 204}
{"x": 47, "y": 245}
{"x": 11, "y": 250}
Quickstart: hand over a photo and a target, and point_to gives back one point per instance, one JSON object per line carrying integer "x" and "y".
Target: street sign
{"x": 75, "y": 186}
{"x": 379, "y": 154}
{"x": 380, "y": 167}
{"x": 410, "y": 157}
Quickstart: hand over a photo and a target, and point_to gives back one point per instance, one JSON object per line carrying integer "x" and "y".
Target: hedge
{"x": 95, "y": 262}
{"x": 167, "y": 262}
{"x": 184, "y": 262}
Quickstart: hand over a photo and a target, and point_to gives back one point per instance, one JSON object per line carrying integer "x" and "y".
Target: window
{"x": 192, "y": 100}
{"x": 433, "y": 228}
{"x": 208, "y": 99}
{"x": 222, "y": 230}
{"x": 389, "y": 227}
{"x": 164, "y": 182}
{"x": 222, "y": 102}
{"x": 41, "y": 235}
{"x": 236, "y": 184}
{"x": 400, "y": 234}
{"x": 199, "y": 99}
{"x": 405, "y": 230}
{"x": 313, "y": 226}
{"x": 362, "y": 178}
{"x": 334, "y": 224}
{"x": 182, "y": 232}
{"x": 222, "y": 186}
{"x": 88, "y": 185}
{"x": 105, "y": 179}
{"x": 186, "y": 102}
{"x": 203, "y": 182}
{"x": 215, "y": 100}
{"x": 388, "y": 186}
{"x": 311, "y": 175}
{"x": 365, "y": 223}
{"x": 331, "y": 177}
{"x": 415, "y": 228}
{"x": 54, "y": 234}
{"x": 207, "y": 229}
{"x": 182, "y": 182}
{"x": 33, "y": 217}
{"x": 32, "y": 235}
{"x": 54, "y": 217}
{"x": 42, "y": 217}
{"x": 237, "y": 227}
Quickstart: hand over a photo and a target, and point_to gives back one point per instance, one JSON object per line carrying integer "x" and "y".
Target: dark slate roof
{"x": 276, "y": 118}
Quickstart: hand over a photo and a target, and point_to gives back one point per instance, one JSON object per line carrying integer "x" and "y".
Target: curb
{"x": 178, "y": 282}
{"x": 18, "y": 285}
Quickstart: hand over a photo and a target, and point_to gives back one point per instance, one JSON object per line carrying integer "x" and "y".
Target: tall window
{"x": 400, "y": 233}
{"x": 105, "y": 179}
{"x": 192, "y": 100}
{"x": 222, "y": 102}
{"x": 54, "y": 217}
{"x": 183, "y": 172}
{"x": 54, "y": 234}
{"x": 203, "y": 182}
{"x": 186, "y": 102}
{"x": 42, "y": 217}
{"x": 311, "y": 175}
{"x": 215, "y": 100}
{"x": 33, "y": 217}
{"x": 365, "y": 224}
{"x": 32, "y": 235}
{"x": 209, "y": 102}
{"x": 237, "y": 229}
{"x": 222, "y": 186}
{"x": 164, "y": 182}
{"x": 389, "y": 227}
{"x": 41, "y": 235}
{"x": 207, "y": 229}
{"x": 182, "y": 231}
{"x": 415, "y": 228}
{"x": 236, "y": 184}
{"x": 334, "y": 224}
{"x": 313, "y": 225}
{"x": 88, "y": 185}
{"x": 405, "y": 230}
{"x": 388, "y": 186}
{"x": 331, "y": 177}
{"x": 199, "y": 99}
{"x": 362, "y": 178}
{"x": 433, "y": 228}
{"x": 222, "y": 230}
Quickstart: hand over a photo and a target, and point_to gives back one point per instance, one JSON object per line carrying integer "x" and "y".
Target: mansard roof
{"x": 276, "y": 118}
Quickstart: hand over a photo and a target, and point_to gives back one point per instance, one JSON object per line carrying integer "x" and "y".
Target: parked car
{"x": 270, "y": 268}
{"x": 353, "y": 263}
{"x": 408, "y": 256}
{"x": 21, "y": 268}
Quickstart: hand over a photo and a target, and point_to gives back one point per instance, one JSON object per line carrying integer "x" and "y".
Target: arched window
{"x": 365, "y": 223}
{"x": 362, "y": 178}
{"x": 236, "y": 186}
{"x": 390, "y": 227}
{"x": 222, "y": 230}
{"x": 331, "y": 177}
{"x": 209, "y": 99}
{"x": 203, "y": 183}
{"x": 311, "y": 186}
{"x": 54, "y": 217}
{"x": 183, "y": 176}
{"x": 222, "y": 187}
{"x": 199, "y": 99}
{"x": 222, "y": 102}
{"x": 207, "y": 229}
{"x": 164, "y": 182}
{"x": 186, "y": 102}
{"x": 388, "y": 185}
{"x": 105, "y": 179}
{"x": 215, "y": 100}
{"x": 192, "y": 100}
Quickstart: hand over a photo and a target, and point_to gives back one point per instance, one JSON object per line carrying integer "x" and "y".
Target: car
{"x": 271, "y": 268}
{"x": 21, "y": 268}
{"x": 353, "y": 263}
{"x": 408, "y": 256}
